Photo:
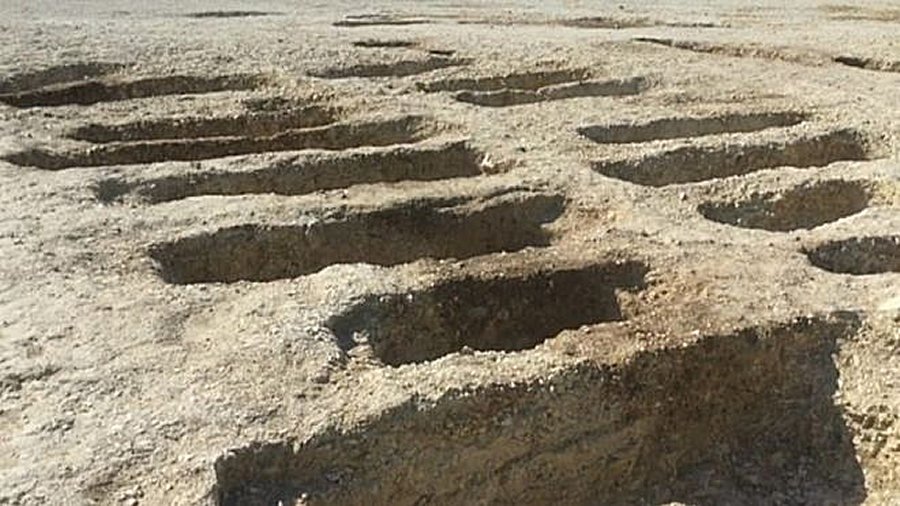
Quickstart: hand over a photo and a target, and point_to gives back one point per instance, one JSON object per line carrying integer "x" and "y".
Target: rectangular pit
{"x": 595, "y": 88}
{"x": 695, "y": 163}
{"x": 305, "y": 174}
{"x": 57, "y": 74}
{"x": 804, "y": 206}
{"x": 400, "y": 68}
{"x": 509, "y": 312}
{"x": 420, "y": 229}
{"x": 260, "y": 124}
{"x": 338, "y": 136}
{"x": 95, "y": 91}
{"x": 739, "y": 417}
{"x": 515, "y": 81}
{"x": 858, "y": 256}
{"x": 674, "y": 128}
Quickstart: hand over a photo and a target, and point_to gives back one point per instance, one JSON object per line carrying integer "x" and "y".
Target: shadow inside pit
{"x": 814, "y": 462}
{"x": 508, "y": 312}
{"x": 231, "y": 14}
{"x": 743, "y": 418}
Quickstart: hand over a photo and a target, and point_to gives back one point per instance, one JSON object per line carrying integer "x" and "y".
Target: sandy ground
{"x": 432, "y": 253}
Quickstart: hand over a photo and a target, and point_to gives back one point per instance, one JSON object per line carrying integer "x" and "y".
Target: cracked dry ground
{"x": 539, "y": 254}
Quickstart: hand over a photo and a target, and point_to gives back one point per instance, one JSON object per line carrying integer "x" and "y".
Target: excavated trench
{"x": 382, "y": 132}
{"x": 305, "y": 174}
{"x": 230, "y": 14}
{"x": 392, "y": 69}
{"x": 683, "y": 127}
{"x": 56, "y": 74}
{"x": 858, "y": 255}
{"x": 421, "y": 229}
{"x": 695, "y": 163}
{"x": 96, "y": 91}
{"x": 363, "y": 20}
{"x": 386, "y": 43}
{"x": 742, "y": 417}
{"x": 516, "y": 81}
{"x": 875, "y": 64}
{"x": 248, "y": 125}
{"x": 802, "y": 207}
{"x": 509, "y": 312}
{"x": 593, "y": 88}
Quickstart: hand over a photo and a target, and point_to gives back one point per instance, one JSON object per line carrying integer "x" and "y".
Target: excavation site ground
{"x": 428, "y": 253}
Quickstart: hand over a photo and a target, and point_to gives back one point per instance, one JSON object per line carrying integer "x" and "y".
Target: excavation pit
{"x": 56, "y": 75}
{"x": 696, "y": 163}
{"x": 858, "y": 255}
{"x": 306, "y": 174}
{"x": 96, "y": 91}
{"x": 363, "y": 20}
{"x": 875, "y": 64}
{"x": 516, "y": 81}
{"x": 802, "y": 207}
{"x": 687, "y": 423}
{"x": 400, "y": 68}
{"x": 580, "y": 89}
{"x": 675, "y": 128}
{"x": 230, "y": 14}
{"x": 608, "y": 23}
{"x": 421, "y": 229}
{"x": 504, "y": 313}
{"x": 386, "y": 43}
{"x": 259, "y": 124}
{"x": 337, "y": 136}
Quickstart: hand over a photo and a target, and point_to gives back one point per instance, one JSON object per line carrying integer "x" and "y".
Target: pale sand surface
{"x": 449, "y": 253}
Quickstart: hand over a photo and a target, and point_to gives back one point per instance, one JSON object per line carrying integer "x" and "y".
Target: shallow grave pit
{"x": 306, "y": 173}
{"x": 805, "y": 206}
{"x": 399, "y": 68}
{"x": 254, "y": 124}
{"x": 686, "y": 423}
{"x": 97, "y": 90}
{"x": 533, "y": 80}
{"x": 404, "y": 233}
{"x": 692, "y": 163}
{"x": 503, "y": 312}
{"x": 683, "y": 127}
{"x": 562, "y": 91}
{"x": 858, "y": 255}
{"x": 57, "y": 74}
{"x": 334, "y": 137}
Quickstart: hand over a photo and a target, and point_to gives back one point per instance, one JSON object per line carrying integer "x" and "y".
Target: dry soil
{"x": 531, "y": 252}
